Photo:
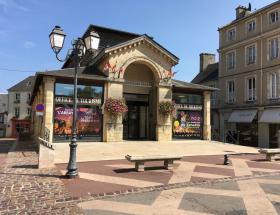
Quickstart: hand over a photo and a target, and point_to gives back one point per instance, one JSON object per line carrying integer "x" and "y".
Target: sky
{"x": 184, "y": 27}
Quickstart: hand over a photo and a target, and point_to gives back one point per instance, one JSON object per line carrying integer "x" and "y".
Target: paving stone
{"x": 28, "y": 190}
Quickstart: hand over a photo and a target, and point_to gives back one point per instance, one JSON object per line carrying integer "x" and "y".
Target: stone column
{"x": 164, "y": 124}
{"x": 48, "y": 95}
{"x": 206, "y": 115}
{"x": 113, "y": 128}
{"x": 46, "y": 155}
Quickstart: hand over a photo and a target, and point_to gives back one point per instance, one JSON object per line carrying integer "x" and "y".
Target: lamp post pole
{"x": 79, "y": 46}
{"x": 72, "y": 164}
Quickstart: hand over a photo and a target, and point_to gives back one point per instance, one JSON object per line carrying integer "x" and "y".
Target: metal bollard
{"x": 226, "y": 161}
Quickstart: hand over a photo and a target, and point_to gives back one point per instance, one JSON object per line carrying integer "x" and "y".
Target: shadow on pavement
{"x": 26, "y": 166}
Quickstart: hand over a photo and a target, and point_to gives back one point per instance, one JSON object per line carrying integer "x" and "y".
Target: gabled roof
{"x": 112, "y": 39}
{"x": 211, "y": 73}
{"x": 187, "y": 85}
{"x": 24, "y": 85}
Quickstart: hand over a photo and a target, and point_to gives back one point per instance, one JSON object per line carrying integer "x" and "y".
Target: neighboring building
{"x": 249, "y": 75}
{"x": 209, "y": 76}
{"x": 129, "y": 66}
{"x": 3, "y": 113}
{"x": 19, "y": 110}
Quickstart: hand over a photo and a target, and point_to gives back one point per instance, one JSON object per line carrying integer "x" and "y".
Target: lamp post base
{"x": 72, "y": 170}
{"x": 73, "y": 173}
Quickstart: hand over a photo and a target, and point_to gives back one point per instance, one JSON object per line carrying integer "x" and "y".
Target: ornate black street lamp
{"x": 79, "y": 47}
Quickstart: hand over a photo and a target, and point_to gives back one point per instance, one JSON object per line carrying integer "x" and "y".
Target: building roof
{"x": 24, "y": 85}
{"x": 211, "y": 73}
{"x": 67, "y": 73}
{"x": 114, "y": 38}
{"x": 187, "y": 85}
{"x": 250, "y": 15}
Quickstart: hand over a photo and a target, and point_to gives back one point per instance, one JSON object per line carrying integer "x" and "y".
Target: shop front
{"x": 270, "y": 122}
{"x": 89, "y": 112}
{"x": 246, "y": 124}
{"x": 187, "y": 117}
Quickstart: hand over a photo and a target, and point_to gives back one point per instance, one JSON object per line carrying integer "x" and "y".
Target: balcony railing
{"x": 17, "y": 101}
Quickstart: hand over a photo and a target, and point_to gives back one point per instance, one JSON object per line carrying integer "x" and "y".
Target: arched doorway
{"x": 140, "y": 93}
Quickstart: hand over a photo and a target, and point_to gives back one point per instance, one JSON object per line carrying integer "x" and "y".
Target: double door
{"x": 136, "y": 121}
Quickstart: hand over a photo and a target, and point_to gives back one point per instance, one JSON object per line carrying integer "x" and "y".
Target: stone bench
{"x": 271, "y": 154}
{"x": 140, "y": 160}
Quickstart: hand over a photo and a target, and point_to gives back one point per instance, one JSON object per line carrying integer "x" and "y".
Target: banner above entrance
{"x": 271, "y": 115}
{"x": 245, "y": 116}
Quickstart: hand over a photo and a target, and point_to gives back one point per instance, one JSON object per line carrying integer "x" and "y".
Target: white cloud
{"x": 28, "y": 44}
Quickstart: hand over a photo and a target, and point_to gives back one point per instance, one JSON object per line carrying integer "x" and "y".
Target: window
{"x": 231, "y": 34}
{"x": 251, "y": 26}
{"x": 28, "y": 97}
{"x": 17, "y": 112}
{"x": 230, "y": 92}
{"x": 89, "y": 112}
{"x": 1, "y": 118}
{"x": 187, "y": 119}
{"x": 251, "y": 89}
{"x": 231, "y": 60}
{"x": 273, "y": 85}
{"x": 251, "y": 55}
{"x": 28, "y": 112}
{"x": 273, "y": 17}
{"x": 17, "y": 97}
{"x": 273, "y": 48}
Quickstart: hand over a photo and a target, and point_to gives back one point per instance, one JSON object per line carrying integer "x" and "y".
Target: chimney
{"x": 242, "y": 11}
{"x": 205, "y": 60}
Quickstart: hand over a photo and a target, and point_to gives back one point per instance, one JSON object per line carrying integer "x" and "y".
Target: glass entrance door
{"x": 135, "y": 121}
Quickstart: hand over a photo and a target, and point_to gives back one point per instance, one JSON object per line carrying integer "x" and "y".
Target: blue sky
{"x": 185, "y": 27}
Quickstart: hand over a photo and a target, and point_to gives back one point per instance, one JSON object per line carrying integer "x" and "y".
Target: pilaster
{"x": 48, "y": 98}
{"x": 206, "y": 115}
{"x": 113, "y": 127}
{"x": 164, "y": 124}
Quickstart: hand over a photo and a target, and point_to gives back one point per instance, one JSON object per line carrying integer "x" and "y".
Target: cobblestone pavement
{"x": 27, "y": 190}
{"x": 256, "y": 196}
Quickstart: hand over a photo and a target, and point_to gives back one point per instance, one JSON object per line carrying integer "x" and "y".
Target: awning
{"x": 245, "y": 116}
{"x": 271, "y": 115}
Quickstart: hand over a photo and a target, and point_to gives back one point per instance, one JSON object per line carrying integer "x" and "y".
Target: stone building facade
{"x": 3, "y": 113}
{"x": 19, "y": 110}
{"x": 129, "y": 66}
{"x": 249, "y": 74}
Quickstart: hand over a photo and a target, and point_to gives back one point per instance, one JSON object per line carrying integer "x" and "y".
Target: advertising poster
{"x": 187, "y": 124}
{"x": 88, "y": 121}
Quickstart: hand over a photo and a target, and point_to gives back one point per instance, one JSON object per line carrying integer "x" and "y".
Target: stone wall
{"x": 207, "y": 115}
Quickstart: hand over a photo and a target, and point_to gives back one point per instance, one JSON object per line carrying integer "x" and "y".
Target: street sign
{"x": 40, "y": 108}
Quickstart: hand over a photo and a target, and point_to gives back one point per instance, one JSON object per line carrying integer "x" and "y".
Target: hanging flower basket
{"x": 166, "y": 108}
{"x": 115, "y": 106}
